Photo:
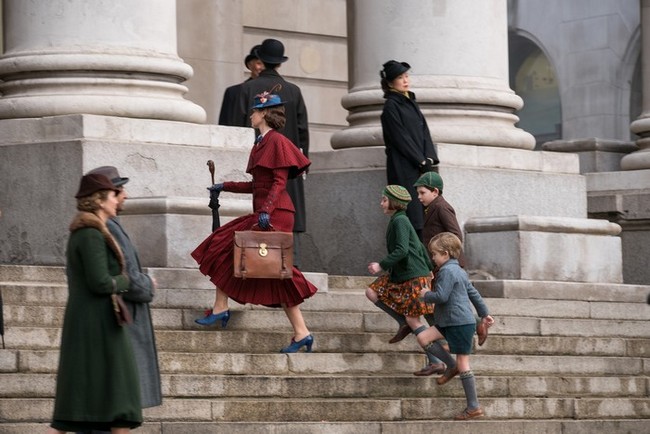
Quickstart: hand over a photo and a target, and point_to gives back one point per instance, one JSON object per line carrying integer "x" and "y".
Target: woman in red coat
{"x": 273, "y": 160}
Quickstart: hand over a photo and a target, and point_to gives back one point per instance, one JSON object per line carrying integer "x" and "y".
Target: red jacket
{"x": 272, "y": 162}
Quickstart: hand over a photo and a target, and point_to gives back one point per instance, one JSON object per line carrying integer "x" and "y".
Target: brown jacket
{"x": 440, "y": 217}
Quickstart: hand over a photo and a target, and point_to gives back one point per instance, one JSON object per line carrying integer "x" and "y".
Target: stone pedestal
{"x": 167, "y": 214}
{"x": 545, "y": 248}
{"x": 623, "y": 198}
{"x": 596, "y": 155}
{"x": 346, "y": 228}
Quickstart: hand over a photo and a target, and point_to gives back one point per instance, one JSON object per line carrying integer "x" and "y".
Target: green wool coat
{"x": 407, "y": 257}
{"x": 97, "y": 382}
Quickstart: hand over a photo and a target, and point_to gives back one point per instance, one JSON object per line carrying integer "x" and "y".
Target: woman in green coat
{"x": 97, "y": 384}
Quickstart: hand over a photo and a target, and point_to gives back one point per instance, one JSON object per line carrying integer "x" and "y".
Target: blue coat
{"x": 453, "y": 296}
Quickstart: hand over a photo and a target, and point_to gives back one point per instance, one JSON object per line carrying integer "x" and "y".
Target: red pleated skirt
{"x": 215, "y": 258}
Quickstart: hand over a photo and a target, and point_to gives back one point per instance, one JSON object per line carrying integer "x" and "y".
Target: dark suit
{"x": 296, "y": 128}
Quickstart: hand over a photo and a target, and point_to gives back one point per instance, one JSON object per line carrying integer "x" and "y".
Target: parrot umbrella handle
{"x": 214, "y": 199}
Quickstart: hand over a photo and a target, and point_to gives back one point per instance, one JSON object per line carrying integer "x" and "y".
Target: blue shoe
{"x": 307, "y": 341}
{"x": 211, "y": 318}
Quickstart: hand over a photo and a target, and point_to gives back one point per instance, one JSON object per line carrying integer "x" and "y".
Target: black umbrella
{"x": 214, "y": 199}
{"x": 2, "y": 323}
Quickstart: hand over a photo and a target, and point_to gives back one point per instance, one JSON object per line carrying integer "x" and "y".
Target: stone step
{"x": 351, "y": 386}
{"x": 32, "y": 273}
{"x": 165, "y": 277}
{"x": 484, "y": 425}
{"x": 266, "y": 342}
{"x": 186, "y": 278}
{"x": 552, "y": 290}
{"x": 35, "y": 295}
{"x": 348, "y": 410}
{"x": 346, "y": 363}
{"x": 525, "y": 339}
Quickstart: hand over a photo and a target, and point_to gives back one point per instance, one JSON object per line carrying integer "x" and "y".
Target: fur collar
{"x": 89, "y": 220}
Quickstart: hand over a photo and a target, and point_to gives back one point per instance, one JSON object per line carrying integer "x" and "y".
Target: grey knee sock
{"x": 469, "y": 385}
{"x": 433, "y": 360}
{"x": 396, "y": 316}
{"x": 419, "y": 330}
{"x": 436, "y": 350}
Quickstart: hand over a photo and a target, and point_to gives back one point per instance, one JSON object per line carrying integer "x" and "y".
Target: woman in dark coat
{"x": 273, "y": 160}
{"x": 409, "y": 149}
{"x": 97, "y": 383}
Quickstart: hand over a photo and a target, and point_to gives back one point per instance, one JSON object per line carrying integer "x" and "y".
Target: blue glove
{"x": 264, "y": 220}
{"x": 216, "y": 187}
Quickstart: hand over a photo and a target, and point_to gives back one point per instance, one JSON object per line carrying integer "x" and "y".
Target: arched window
{"x": 533, "y": 78}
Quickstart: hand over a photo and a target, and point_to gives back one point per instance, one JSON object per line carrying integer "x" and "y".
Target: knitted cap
{"x": 431, "y": 180}
{"x": 397, "y": 193}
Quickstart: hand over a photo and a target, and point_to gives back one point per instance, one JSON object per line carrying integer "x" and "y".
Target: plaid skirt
{"x": 403, "y": 297}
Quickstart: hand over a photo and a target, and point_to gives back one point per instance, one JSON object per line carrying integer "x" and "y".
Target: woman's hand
{"x": 264, "y": 220}
{"x": 216, "y": 187}
{"x": 423, "y": 291}
{"x": 374, "y": 268}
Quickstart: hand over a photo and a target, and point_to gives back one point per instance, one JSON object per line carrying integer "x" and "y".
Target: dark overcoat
{"x": 408, "y": 143}
{"x": 296, "y": 128}
{"x": 97, "y": 380}
{"x": 138, "y": 297}
{"x": 229, "y": 113}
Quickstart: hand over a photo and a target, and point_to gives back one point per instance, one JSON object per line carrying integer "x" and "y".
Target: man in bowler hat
{"x": 271, "y": 53}
{"x": 230, "y": 105}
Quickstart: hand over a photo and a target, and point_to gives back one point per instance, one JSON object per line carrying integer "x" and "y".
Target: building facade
{"x": 536, "y": 106}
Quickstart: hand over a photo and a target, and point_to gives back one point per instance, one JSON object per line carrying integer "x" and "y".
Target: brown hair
{"x": 446, "y": 242}
{"x": 394, "y": 205}
{"x": 275, "y": 117}
{"x": 92, "y": 203}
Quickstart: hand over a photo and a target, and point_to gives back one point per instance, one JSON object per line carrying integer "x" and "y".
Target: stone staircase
{"x": 561, "y": 358}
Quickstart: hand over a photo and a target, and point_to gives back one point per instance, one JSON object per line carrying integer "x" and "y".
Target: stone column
{"x": 458, "y": 51}
{"x": 641, "y": 158}
{"x": 105, "y": 57}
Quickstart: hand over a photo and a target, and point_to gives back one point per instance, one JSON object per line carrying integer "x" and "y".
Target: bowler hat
{"x": 271, "y": 51}
{"x": 431, "y": 180}
{"x": 397, "y": 193}
{"x": 93, "y": 183}
{"x": 265, "y": 100}
{"x": 111, "y": 173}
{"x": 252, "y": 55}
{"x": 393, "y": 68}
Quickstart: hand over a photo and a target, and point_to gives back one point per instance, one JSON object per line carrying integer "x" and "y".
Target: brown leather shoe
{"x": 482, "y": 332}
{"x": 470, "y": 414}
{"x": 430, "y": 369}
{"x": 448, "y": 375}
{"x": 403, "y": 332}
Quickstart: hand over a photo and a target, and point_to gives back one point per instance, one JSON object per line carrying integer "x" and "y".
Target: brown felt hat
{"x": 111, "y": 173}
{"x": 93, "y": 183}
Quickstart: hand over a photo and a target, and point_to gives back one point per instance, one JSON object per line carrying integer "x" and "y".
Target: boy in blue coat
{"x": 454, "y": 321}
